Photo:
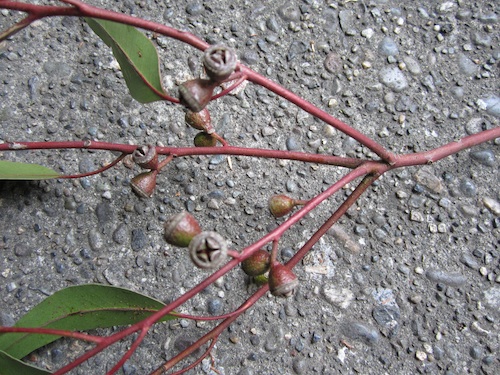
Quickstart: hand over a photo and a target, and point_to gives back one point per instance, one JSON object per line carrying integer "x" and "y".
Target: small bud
{"x": 199, "y": 120}
{"x": 219, "y": 62}
{"x": 144, "y": 184}
{"x": 203, "y": 139}
{"x": 257, "y": 263}
{"x": 281, "y": 205}
{"x": 196, "y": 93}
{"x": 146, "y": 157}
{"x": 180, "y": 229}
{"x": 260, "y": 279}
{"x": 282, "y": 281}
{"x": 208, "y": 250}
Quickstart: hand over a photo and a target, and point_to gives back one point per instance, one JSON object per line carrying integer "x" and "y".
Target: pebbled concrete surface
{"x": 409, "y": 280}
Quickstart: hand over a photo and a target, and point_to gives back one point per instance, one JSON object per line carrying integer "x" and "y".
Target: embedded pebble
{"x": 214, "y": 306}
{"x": 475, "y": 352}
{"x": 416, "y": 216}
{"x": 339, "y": 297}
{"x": 469, "y": 261}
{"x": 267, "y": 131}
{"x": 474, "y": 125}
{"x": 492, "y": 297}
{"x": 361, "y": 331}
{"x": 345, "y": 240}
{"x": 388, "y": 47}
{"x": 420, "y": 355}
{"x": 468, "y": 188}
{"x": 332, "y": 62}
{"x": 129, "y": 369}
{"x": 121, "y": 234}
{"x": 289, "y": 12}
{"x": 194, "y": 9}
{"x": 469, "y": 210}
{"x": 249, "y": 57}
{"x": 217, "y": 159}
{"x": 347, "y": 22}
{"x": 274, "y": 339}
{"x": 57, "y": 69}
{"x": 86, "y": 165}
{"x": 292, "y": 144}
{"x": 296, "y": 49}
{"x": 138, "y": 239}
{"x": 22, "y": 250}
{"x": 412, "y": 66}
{"x": 393, "y": 78}
{"x": 387, "y": 312}
{"x": 492, "y": 205}
{"x": 6, "y": 320}
{"x": 299, "y": 366}
{"x": 466, "y": 65}
{"x": 491, "y": 104}
{"x": 481, "y": 39}
{"x": 104, "y": 212}
{"x": 291, "y": 186}
{"x": 426, "y": 177}
{"x": 485, "y": 157}
{"x": 213, "y": 204}
{"x": 447, "y": 278}
{"x": 367, "y": 33}
{"x": 96, "y": 241}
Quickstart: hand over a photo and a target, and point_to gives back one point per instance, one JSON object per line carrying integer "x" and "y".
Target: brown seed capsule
{"x": 146, "y": 157}
{"x": 203, "y": 139}
{"x": 219, "y": 62}
{"x": 282, "y": 281}
{"x": 180, "y": 229}
{"x": 281, "y": 205}
{"x": 144, "y": 184}
{"x": 208, "y": 250}
{"x": 199, "y": 120}
{"x": 196, "y": 93}
{"x": 257, "y": 263}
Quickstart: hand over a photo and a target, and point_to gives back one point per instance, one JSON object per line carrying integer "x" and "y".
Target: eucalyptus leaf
{"x": 10, "y": 366}
{"x": 11, "y": 170}
{"x": 79, "y": 308}
{"x": 136, "y": 55}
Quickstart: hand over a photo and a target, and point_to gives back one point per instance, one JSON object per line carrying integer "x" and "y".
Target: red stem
{"x": 55, "y": 332}
{"x": 238, "y": 81}
{"x": 97, "y": 171}
{"x": 188, "y": 151}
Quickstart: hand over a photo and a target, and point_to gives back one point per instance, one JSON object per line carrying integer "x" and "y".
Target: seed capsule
{"x": 281, "y": 205}
{"x": 282, "y": 281}
{"x": 203, "y": 139}
{"x": 208, "y": 250}
{"x": 146, "y": 157}
{"x": 144, "y": 184}
{"x": 199, "y": 120}
{"x": 180, "y": 229}
{"x": 196, "y": 93}
{"x": 256, "y": 264}
{"x": 219, "y": 62}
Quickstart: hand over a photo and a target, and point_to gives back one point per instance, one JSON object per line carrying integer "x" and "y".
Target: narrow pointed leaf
{"x": 79, "y": 308}
{"x": 10, "y": 365}
{"x": 136, "y": 55}
{"x": 10, "y": 170}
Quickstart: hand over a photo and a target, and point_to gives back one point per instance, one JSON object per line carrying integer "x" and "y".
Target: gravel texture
{"x": 408, "y": 282}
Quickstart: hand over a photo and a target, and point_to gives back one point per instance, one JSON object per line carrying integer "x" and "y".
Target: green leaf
{"x": 10, "y": 170}
{"x": 10, "y": 365}
{"x": 136, "y": 55}
{"x": 79, "y": 308}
